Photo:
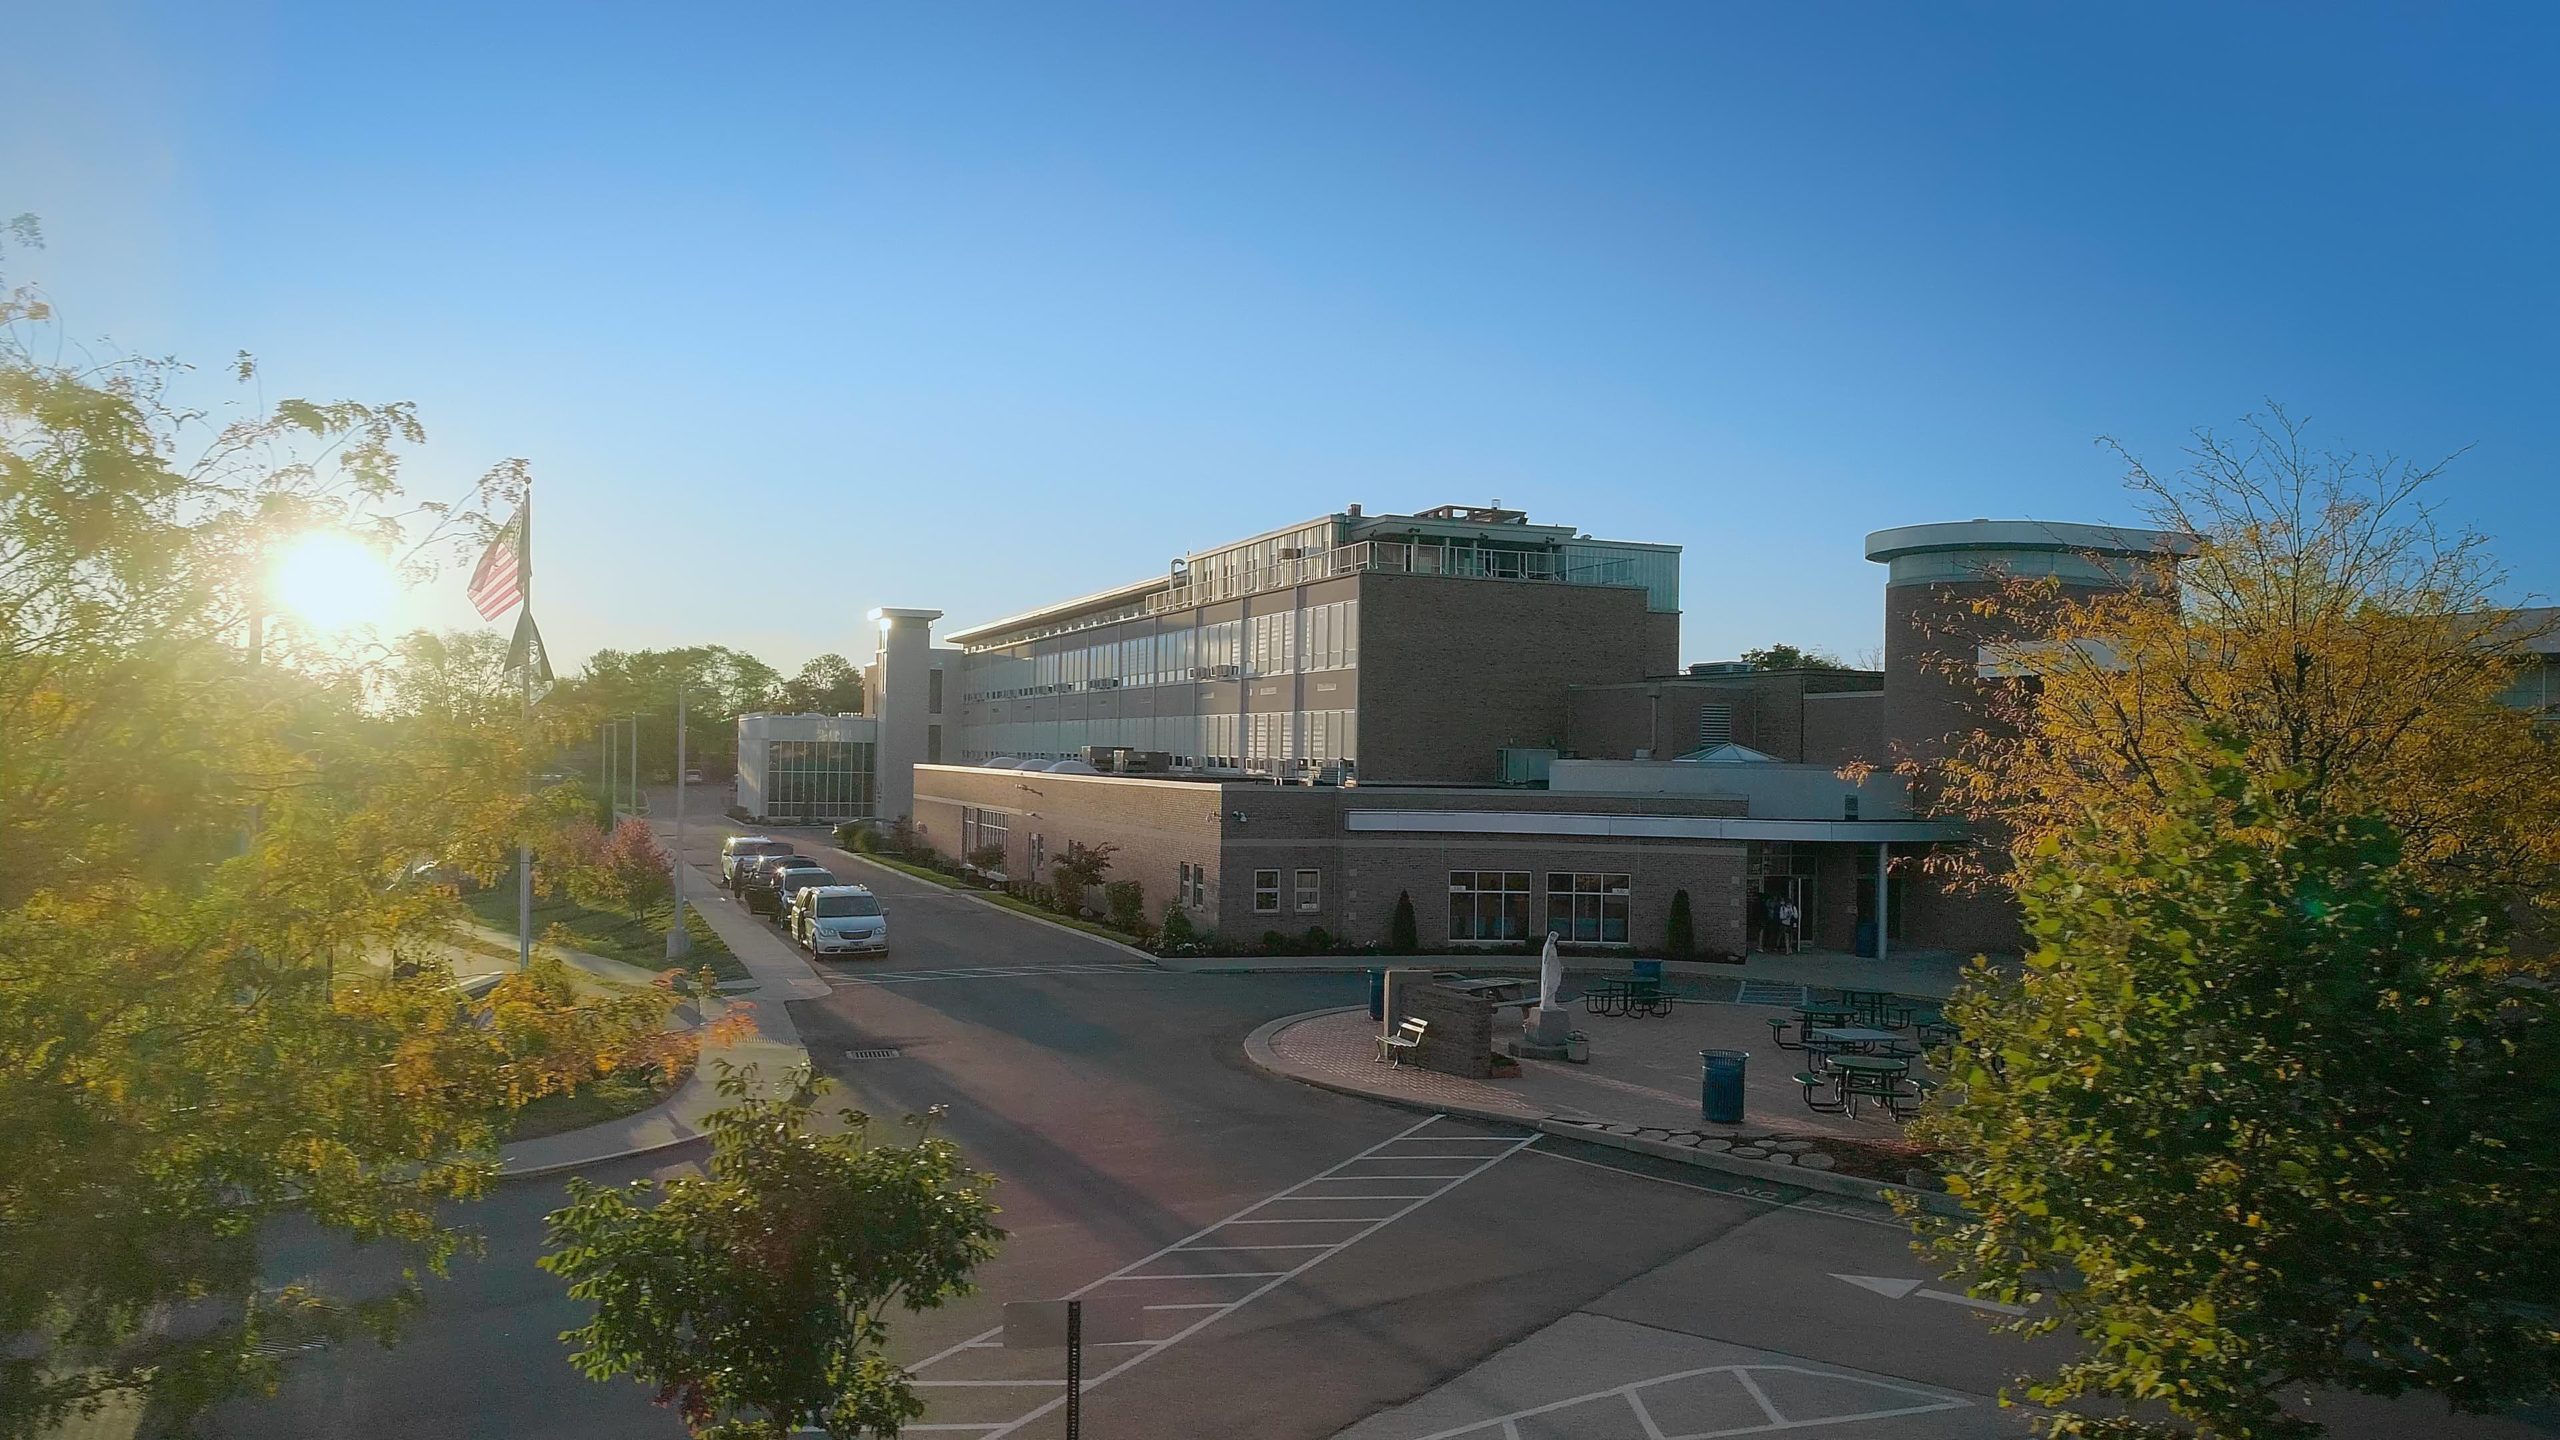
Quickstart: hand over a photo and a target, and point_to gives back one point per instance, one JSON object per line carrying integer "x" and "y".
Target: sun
{"x": 331, "y": 582}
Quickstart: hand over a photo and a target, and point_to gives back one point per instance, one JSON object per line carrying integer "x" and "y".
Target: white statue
{"x": 1550, "y": 973}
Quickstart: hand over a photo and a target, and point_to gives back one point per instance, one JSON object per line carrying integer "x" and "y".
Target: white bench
{"x": 1407, "y": 1036}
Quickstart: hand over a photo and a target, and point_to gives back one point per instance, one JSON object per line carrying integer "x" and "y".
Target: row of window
{"x": 817, "y": 780}
{"x": 1311, "y": 637}
{"x": 982, "y": 828}
{"x": 1307, "y": 892}
{"x": 1271, "y": 742}
{"x": 1585, "y": 907}
{"x": 1192, "y": 886}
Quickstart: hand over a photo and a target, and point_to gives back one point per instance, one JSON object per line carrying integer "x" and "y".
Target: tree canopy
{"x": 2269, "y": 1110}
{"x": 1788, "y": 657}
{"x": 224, "y": 983}
{"x": 755, "y": 1298}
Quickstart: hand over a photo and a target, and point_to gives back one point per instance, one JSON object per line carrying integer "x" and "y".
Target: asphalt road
{"x": 1300, "y": 1263}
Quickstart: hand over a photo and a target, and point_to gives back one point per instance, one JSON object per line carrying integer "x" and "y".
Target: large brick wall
{"x": 1452, "y": 670}
{"x": 1775, "y": 712}
{"x": 1159, "y": 825}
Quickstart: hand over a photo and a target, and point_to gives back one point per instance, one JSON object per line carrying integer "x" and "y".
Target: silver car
{"x": 839, "y": 920}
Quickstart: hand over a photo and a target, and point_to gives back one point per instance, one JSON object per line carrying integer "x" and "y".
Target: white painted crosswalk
{"x": 1294, "y": 1230}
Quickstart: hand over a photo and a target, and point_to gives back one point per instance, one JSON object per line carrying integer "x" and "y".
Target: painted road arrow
{"x": 1896, "y": 1289}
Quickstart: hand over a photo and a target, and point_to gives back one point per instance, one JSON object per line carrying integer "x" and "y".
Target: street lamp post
{"x": 678, "y": 942}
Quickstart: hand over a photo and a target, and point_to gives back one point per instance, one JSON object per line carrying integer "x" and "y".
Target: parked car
{"x": 764, "y": 883}
{"x": 753, "y": 874}
{"x": 738, "y": 849}
{"x": 790, "y": 880}
{"x": 839, "y": 920}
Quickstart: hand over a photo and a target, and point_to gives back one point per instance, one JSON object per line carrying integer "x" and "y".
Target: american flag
{"x": 497, "y": 582}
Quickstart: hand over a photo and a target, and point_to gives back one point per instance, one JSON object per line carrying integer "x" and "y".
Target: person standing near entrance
{"x": 1790, "y": 924}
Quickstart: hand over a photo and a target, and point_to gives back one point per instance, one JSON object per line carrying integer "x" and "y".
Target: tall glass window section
{"x": 817, "y": 780}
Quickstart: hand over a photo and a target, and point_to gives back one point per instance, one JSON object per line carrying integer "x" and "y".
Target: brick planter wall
{"x": 1460, "y": 1041}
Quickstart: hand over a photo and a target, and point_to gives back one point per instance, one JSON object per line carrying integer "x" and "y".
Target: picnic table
{"x": 1641, "y": 996}
{"x": 1875, "y": 1077}
{"x": 1808, "y": 1017}
{"x": 1855, "y": 1037}
{"x": 1875, "y": 1007}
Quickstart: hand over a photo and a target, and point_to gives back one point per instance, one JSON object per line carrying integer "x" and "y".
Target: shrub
{"x": 989, "y": 858}
{"x": 1681, "y": 940}
{"x": 1124, "y": 904}
{"x": 1402, "y": 937}
{"x": 1275, "y": 943}
{"x": 1176, "y": 936}
{"x": 1319, "y": 940}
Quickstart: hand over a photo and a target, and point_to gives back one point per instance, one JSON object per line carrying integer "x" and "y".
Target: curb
{"x": 985, "y": 903}
{"x": 559, "y": 1166}
{"x": 1257, "y": 1049}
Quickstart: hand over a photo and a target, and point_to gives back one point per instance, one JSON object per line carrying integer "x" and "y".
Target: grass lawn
{"x": 595, "y": 1102}
{"x": 634, "y": 939}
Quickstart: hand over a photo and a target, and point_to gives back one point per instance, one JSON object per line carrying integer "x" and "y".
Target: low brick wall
{"x": 1460, "y": 1041}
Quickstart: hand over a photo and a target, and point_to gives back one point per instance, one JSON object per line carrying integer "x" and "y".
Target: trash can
{"x": 1867, "y": 939}
{"x": 1377, "y": 994}
{"x": 1720, "y": 1085}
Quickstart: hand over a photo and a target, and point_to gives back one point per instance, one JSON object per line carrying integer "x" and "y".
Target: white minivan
{"x": 839, "y": 920}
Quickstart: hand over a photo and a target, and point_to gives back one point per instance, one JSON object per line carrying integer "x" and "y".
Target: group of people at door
{"x": 1780, "y": 923}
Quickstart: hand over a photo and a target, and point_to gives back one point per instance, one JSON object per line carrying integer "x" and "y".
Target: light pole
{"x": 678, "y": 942}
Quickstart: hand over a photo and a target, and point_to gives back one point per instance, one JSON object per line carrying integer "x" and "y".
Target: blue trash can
{"x": 1866, "y": 947}
{"x": 1377, "y": 994}
{"x": 1720, "y": 1085}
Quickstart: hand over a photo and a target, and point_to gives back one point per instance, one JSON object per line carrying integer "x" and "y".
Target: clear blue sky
{"x": 977, "y": 306}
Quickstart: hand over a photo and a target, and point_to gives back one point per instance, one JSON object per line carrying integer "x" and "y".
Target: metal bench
{"x": 1408, "y": 1036}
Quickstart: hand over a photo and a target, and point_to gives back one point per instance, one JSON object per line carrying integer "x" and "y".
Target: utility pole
{"x": 608, "y": 738}
{"x": 635, "y": 762}
{"x": 678, "y": 941}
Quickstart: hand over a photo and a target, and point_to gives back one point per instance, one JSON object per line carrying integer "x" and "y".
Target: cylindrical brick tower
{"x": 1932, "y": 643}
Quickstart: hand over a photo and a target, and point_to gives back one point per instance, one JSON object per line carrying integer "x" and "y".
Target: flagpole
{"x": 524, "y": 841}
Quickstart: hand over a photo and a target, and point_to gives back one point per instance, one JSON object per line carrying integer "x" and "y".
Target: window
{"x": 1488, "y": 905}
{"x": 817, "y": 780}
{"x": 1199, "y": 886}
{"x": 933, "y": 690}
{"x": 1039, "y": 855}
{"x": 982, "y": 828}
{"x": 1182, "y": 885}
{"x": 933, "y": 743}
{"x": 1266, "y": 892}
{"x": 1590, "y": 909}
{"x": 1310, "y": 889}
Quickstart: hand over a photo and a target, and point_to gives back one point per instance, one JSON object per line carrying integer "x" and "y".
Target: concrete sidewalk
{"x": 1642, "y": 1085}
{"x": 772, "y": 1045}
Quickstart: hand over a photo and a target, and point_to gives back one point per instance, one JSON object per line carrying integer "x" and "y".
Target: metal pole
{"x": 1075, "y": 1370}
{"x": 635, "y": 762}
{"x": 524, "y": 842}
{"x": 678, "y": 941}
{"x": 1884, "y": 855}
{"x": 611, "y": 741}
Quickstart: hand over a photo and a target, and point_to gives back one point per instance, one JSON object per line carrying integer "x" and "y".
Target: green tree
{"x": 221, "y": 991}
{"x": 1788, "y": 657}
{"x": 1078, "y": 869}
{"x": 756, "y": 1298}
{"x": 1402, "y": 937}
{"x": 1680, "y": 937}
{"x": 2261, "y": 1116}
{"x": 827, "y": 685}
{"x": 718, "y": 685}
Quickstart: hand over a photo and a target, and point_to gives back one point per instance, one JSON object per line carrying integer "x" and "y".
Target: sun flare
{"x": 331, "y": 582}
